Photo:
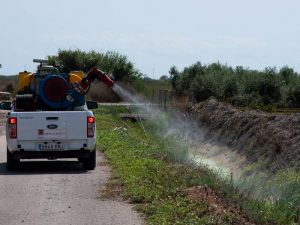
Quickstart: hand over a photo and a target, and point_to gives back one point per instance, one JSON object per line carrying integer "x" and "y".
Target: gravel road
{"x": 58, "y": 192}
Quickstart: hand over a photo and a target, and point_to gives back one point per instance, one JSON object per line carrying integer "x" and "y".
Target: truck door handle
{"x": 51, "y": 118}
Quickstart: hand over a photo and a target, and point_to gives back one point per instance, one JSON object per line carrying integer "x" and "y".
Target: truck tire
{"x": 12, "y": 163}
{"x": 90, "y": 163}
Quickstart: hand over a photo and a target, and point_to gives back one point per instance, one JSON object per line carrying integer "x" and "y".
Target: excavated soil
{"x": 269, "y": 138}
{"x": 224, "y": 210}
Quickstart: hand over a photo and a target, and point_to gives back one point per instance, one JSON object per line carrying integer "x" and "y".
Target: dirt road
{"x": 58, "y": 192}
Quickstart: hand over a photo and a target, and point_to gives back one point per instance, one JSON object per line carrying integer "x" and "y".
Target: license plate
{"x": 51, "y": 146}
{"x": 52, "y": 134}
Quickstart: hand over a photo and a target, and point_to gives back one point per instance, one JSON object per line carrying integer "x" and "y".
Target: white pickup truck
{"x": 51, "y": 118}
{"x": 51, "y": 135}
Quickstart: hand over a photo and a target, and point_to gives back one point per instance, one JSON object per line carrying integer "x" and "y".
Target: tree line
{"x": 239, "y": 86}
{"x": 111, "y": 62}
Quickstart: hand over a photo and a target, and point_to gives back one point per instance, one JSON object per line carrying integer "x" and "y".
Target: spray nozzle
{"x": 107, "y": 80}
{"x": 113, "y": 77}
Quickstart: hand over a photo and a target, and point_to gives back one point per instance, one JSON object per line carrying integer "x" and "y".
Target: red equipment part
{"x": 93, "y": 74}
{"x": 55, "y": 88}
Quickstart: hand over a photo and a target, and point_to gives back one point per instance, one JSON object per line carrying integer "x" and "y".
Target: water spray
{"x": 225, "y": 161}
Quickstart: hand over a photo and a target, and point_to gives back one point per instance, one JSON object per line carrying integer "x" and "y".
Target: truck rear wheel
{"x": 90, "y": 163}
{"x": 11, "y": 162}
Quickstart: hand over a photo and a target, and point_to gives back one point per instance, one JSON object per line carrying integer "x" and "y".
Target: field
{"x": 152, "y": 172}
{"x": 152, "y": 162}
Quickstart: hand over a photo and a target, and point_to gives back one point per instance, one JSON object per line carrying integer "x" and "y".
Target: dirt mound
{"x": 226, "y": 211}
{"x": 269, "y": 138}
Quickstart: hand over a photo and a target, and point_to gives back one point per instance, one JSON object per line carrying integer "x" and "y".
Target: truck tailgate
{"x": 61, "y": 125}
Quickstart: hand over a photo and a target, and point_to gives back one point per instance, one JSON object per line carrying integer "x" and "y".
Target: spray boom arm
{"x": 83, "y": 86}
{"x": 93, "y": 74}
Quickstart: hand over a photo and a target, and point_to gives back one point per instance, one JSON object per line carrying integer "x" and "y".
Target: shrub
{"x": 269, "y": 91}
{"x": 287, "y": 75}
{"x": 240, "y": 86}
{"x": 293, "y": 97}
{"x": 230, "y": 88}
{"x": 203, "y": 87}
{"x": 111, "y": 62}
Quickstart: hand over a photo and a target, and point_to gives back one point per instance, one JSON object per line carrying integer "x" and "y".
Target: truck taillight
{"x": 90, "y": 126}
{"x": 12, "y": 127}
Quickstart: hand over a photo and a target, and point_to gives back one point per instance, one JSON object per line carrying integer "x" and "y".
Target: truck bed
{"x": 51, "y": 131}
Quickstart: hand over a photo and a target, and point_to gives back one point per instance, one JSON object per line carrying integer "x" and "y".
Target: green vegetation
{"x": 150, "y": 88}
{"x": 239, "y": 86}
{"x": 155, "y": 176}
{"x": 110, "y": 62}
{"x": 8, "y": 78}
{"x": 152, "y": 183}
{"x": 67, "y": 60}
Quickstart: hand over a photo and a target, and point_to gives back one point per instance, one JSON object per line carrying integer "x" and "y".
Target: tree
{"x": 111, "y": 62}
{"x": 174, "y": 76}
{"x": 230, "y": 88}
{"x": 293, "y": 97}
{"x": 287, "y": 74}
{"x": 269, "y": 91}
{"x": 164, "y": 77}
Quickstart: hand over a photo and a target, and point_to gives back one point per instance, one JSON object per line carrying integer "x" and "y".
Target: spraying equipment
{"x": 47, "y": 89}
{"x": 51, "y": 118}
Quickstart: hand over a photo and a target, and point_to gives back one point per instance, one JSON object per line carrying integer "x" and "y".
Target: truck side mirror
{"x": 92, "y": 104}
{"x": 6, "y": 105}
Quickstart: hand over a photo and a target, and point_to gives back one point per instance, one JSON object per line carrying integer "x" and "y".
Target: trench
{"x": 206, "y": 147}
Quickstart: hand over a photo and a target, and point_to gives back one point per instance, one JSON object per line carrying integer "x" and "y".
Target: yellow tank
{"x": 75, "y": 76}
{"x": 25, "y": 79}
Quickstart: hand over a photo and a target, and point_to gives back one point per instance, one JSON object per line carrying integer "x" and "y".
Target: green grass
{"x": 155, "y": 185}
{"x": 8, "y": 77}
{"x": 156, "y": 181}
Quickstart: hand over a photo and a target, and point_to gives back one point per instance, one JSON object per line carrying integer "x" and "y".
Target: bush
{"x": 238, "y": 85}
{"x": 287, "y": 75}
{"x": 293, "y": 97}
{"x": 204, "y": 87}
{"x": 230, "y": 89}
{"x": 110, "y": 62}
{"x": 269, "y": 91}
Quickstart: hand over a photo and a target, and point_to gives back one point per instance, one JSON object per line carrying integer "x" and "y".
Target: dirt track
{"x": 58, "y": 192}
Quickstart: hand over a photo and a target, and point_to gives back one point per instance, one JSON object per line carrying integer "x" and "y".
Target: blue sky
{"x": 154, "y": 34}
